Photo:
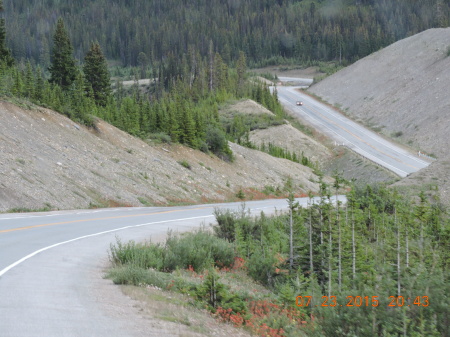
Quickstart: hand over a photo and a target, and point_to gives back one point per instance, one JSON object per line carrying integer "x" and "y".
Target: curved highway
{"x": 51, "y": 265}
{"x": 350, "y": 134}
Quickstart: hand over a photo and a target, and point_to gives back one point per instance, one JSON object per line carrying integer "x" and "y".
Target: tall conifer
{"x": 5, "y": 52}
{"x": 63, "y": 67}
{"x": 96, "y": 73}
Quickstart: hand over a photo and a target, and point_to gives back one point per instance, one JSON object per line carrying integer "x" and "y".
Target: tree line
{"x": 180, "y": 105}
{"x": 142, "y": 33}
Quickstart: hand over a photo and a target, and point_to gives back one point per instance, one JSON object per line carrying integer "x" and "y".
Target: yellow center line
{"x": 363, "y": 141}
{"x": 95, "y": 219}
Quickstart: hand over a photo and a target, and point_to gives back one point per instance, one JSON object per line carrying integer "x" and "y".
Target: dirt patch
{"x": 245, "y": 107}
{"x": 170, "y": 314}
{"x": 291, "y": 139}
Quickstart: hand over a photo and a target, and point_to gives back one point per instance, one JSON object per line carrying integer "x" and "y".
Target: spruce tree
{"x": 96, "y": 73}
{"x": 5, "y": 52}
{"x": 241, "y": 68}
{"x": 63, "y": 67}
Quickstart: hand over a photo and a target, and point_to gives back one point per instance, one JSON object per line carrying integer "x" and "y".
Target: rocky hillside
{"x": 48, "y": 161}
{"x": 402, "y": 92}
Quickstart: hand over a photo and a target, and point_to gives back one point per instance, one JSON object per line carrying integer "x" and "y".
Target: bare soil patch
{"x": 245, "y": 107}
{"x": 291, "y": 139}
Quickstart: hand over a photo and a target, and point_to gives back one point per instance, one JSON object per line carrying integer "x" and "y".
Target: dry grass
{"x": 173, "y": 314}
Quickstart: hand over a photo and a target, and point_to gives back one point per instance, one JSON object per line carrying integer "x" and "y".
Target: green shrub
{"x": 199, "y": 249}
{"x": 185, "y": 164}
{"x": 134, "y": 275}
{"x": 160, "y": 137}
{"x": 240, "y": 194}
{"x": 229, "y": 223}
{"x": 226, "y": 224}
{"x": 261, "y": 267}
{"x": 218, "y": 143}
{"x": 128, "y": 274}
{"x": 268, "y": 190}
{"x": 139, "y": 255}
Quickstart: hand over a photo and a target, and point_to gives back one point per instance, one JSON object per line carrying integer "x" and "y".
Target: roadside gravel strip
{"x": 51, "y": 267}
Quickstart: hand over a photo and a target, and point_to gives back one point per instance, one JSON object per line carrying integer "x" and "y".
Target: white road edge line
{"x": 8, "y": 268}
{"x": 11, "y": 266}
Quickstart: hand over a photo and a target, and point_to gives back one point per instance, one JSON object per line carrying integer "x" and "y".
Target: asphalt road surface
{"x": 347, "y": 133}
{"x": 51, "y": 265}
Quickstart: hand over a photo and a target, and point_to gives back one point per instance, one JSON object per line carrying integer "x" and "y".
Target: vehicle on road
{"x": 299, "y": 103}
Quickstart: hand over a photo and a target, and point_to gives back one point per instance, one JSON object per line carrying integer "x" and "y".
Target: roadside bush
{"x": 199, "y": 249}
{"x": 226, "y": 223}
{"x": 218, "y": 143}
{"x": 139, "y": 255}
{"x": 128, "y": 274}
{"x": 261, "y": 267}
{"x": 137, "y": 276}
{"x": 240, "y": 194}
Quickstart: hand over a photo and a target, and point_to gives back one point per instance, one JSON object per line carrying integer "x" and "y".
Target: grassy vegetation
{"x": 185, "y": 164}
{"x": 206, "y": 269}
{"x": 46, "y": 208}
{"x": 249, "y": 273}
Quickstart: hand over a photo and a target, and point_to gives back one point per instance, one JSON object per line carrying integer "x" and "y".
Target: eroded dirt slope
{"x": 48, "y": 160}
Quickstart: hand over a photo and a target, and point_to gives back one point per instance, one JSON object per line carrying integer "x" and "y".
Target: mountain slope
{"x": 401, "y": 88}
{"x": 402, "y": 91}
{"x": 49, "y": 161}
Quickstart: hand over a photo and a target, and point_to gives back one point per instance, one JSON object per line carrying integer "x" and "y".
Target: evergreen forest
{"x": 143, "y": 33}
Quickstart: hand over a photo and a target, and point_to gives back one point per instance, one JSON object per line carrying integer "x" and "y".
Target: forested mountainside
{"x": 141, "y": 32}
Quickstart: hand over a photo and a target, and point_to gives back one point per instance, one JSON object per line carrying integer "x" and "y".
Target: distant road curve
{"x": 348, "y": 133}
{"x": 51, "y": 265}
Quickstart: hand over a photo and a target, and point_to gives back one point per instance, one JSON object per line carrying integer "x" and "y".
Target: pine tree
{"x": 5, "y": 52}
{"x": 241, "y": 68}
{"x": 96, "y": 73}
{"x": 29, "y": 81}
{"x": 63, "y": 67}
{"x": 39, "y": 85}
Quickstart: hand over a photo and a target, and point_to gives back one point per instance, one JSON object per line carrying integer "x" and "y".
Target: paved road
{"x": 51, "y": 265}
{"x": 348, "y": 133}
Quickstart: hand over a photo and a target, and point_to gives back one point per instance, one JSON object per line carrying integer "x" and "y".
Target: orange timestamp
{"x": 363, "y": 301}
